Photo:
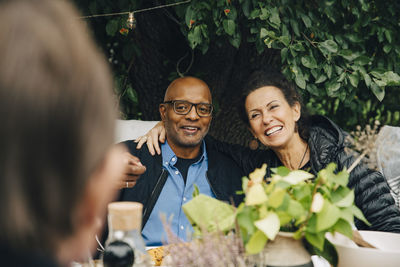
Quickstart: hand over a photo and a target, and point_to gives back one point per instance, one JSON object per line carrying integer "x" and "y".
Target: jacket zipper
{"x": 212, "y": 189}
{"x": 153, "y": 192}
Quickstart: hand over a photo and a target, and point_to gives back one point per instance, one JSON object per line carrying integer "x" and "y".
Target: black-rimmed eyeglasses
{"x": 183, "y": 107}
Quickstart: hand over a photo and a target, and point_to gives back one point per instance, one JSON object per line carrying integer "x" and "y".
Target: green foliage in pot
{"x": 294, "y": 201}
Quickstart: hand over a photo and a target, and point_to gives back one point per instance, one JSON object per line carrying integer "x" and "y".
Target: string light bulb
{"x": 131, "y": 21}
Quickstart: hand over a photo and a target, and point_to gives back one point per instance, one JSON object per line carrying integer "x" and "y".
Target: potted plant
{"x": 292, "y": 208}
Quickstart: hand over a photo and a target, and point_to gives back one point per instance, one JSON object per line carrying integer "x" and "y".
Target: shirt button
{"x": 184, "y": 199}
{"x": 166, "y": 163}
{"x": 173, "y": 159}
{"x": 182, "y": 227}
{"x": 176, "y": 172}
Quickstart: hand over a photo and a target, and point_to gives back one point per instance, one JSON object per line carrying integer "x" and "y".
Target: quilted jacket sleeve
{"x": 372, "y": 196}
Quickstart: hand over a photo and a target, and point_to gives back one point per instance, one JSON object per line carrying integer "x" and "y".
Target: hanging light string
{"x": 135, "y": 11}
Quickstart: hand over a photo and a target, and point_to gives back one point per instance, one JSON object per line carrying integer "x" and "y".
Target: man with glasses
{"x": 185, "y": 161}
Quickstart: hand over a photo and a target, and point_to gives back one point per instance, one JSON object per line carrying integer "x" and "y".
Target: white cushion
{"x": 131, "y": 129}
{"x": 388, "y": 157}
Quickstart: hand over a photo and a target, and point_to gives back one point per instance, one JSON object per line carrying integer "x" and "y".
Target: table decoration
{"x": 290, "y": 205}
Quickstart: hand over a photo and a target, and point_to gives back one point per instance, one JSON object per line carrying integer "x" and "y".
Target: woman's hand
{"x": 132, "y": 169}
{"x": 152, "y": 137}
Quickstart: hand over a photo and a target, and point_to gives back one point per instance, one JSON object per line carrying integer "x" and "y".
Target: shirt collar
{"x": 169, "y": 157}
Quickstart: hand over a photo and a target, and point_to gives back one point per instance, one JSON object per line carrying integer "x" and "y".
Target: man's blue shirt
{"x": 174, "y": 194}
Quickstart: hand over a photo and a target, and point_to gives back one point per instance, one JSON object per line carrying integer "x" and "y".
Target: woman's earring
{"x": 253, "y": 144}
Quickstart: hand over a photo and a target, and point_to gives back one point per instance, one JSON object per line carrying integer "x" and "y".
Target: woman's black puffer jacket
{"x": 372, "y": 193}
{"x": 327, "y": 142}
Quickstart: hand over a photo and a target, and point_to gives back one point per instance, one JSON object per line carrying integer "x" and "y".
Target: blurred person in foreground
{"x": 58, "y": 165}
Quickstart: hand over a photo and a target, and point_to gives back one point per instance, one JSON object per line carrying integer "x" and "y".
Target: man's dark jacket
{"x": 327, "y": 142}
{"x": 223, "y": 175}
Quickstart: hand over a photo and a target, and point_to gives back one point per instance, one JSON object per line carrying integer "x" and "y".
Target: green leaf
{"x": 347, "y": 215}
{"x": 208, "y": 212}
{"x": 194, "y": 37}
{"x": 343, "y": 227}
{"x": 263, "y": 33}
{"x": 332, "y": 86}
{"x": 329, "y": 45}
{"x": 285, "y": 40}
{"x": 388, "y": 35}
{"x": 269, "y": 225}
{"x": 367, "y": 80}
{"x": 391, "y": 78}
{"x": 328, "y": 252}
{"x": 317, "y": 240}
{"x": 189, "y": 15}
{"x": 256, "y": 243}
{"x": 300, "y": 81}
{"x": 348, "y": 54}
{"x": 347, "y": 201}
{"x": 281, "y": 171}
{"x": 322, "y": 78}
{"x": 196, "y": 191}
{"x": 362, "y": 60}
{"x": 306, "y": 20}
{"x": 245, "y": 219}
{"x": 328, "y": 70}
{"x": 112, "y": 27}
{"x": 229, "y": 26}
{"x": 295, "y": 27}
{"x": 378, "y": 91}
{"x": 246, "y": 8}
{"x": 235, "y": 41}
{"x": 387, "y": 48}
{"x": 274, "y": 18}
{"x": 309, "y": 62}
{"x": 284, "y": 53}
{"x": 276, "y": 198}
{"x": 328, "y": 216}
{"x": 295, "y": 209}
{"x": 354, "y": 78}
{"x": 358, "y": 213}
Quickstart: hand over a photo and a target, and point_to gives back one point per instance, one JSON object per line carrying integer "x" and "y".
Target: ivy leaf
{"x": 300, "y": 81}
{"x": 328, "y": 70}
{"x": 317, "y": 240}
{"x": 309, "y": 62}
{"x": 332, "y": 86}
{"x": 306, "y": 20}
{"x": 189, "y": 15}
{"x": 329, "y": 45}
{"x": 391, "y": 78}
{"x": 246, "y": 8}
{"x": 229, "y": 26}
{"x": 348, "y": 54}
{"x": 327, "y": 217}
{"x": 276, "y": 198}
{"x": 295, "y": 27}
{"x": 112, "y": 27}
{"x": 274, "y": 18}
{"x": 387, "y": 48}
{"x": 269, "y": 225}
{"x": 235, "y": 41}
{"x": 354, "y": 79}
{"x": 322, "y": 78}
{"x": 256, "y": 243}
{"x": 344, "y": 228}
{"x": 358, "y": 213}
{"x": 362, "y": 60}
{"x": 367, "y": 80}
{"x": 347, "y": 201}
{"x": 378, "y": 91}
